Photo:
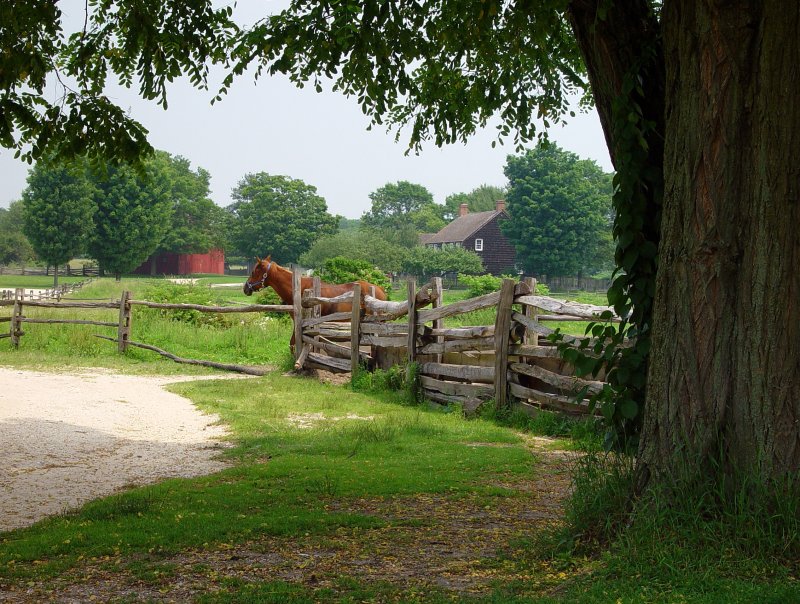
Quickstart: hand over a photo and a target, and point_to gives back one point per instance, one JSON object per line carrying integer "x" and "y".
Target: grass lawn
{"x": 35, "y": 281}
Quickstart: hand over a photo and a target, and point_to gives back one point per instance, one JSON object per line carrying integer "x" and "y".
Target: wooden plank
{"x": 337, "y": 316}
{"x": 336, "y": 334}
{"x": 457, "y": 388}
{"x": 564, "y": 318}
{"x": 316, "y": 289}
{"x": 199, "y": 307}
{"x": 4, "y": 335}
{"x": 398, "y": 341}
{"x": 464, "y": 333}
{"x": 552, "y": 401}
{"x": 226, "y": 366}
{"x": 384, "y": 329}
{"x": 471, "y": 373}
{"x": 530, "y": 312}
{"x": 563, "y": 382}
{"x": 4, "y": 319}
{"x": 355, "y": 332}
{"x": 468, "y": 404}
{"x": 536, "y": 352}
{"x": 329, "y": 363}
{"x": 564, "y": 307}
{"x": 502, "y": 328}
{"x": 15, "y": 332}
{"x": 337, "y": 350}
{"x": 459, "y": 346}
{"x": 69, "y": 321}
{"x": 40, "y": 304}
{"x": 315, "y": 300}
{"x": 458, "y": 308}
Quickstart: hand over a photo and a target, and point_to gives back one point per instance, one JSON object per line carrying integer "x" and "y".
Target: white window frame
{"x": 479, "y": 245}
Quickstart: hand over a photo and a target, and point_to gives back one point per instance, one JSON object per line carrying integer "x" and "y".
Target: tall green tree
{"x": 560, "y": 207}
{"x": 681, "y": 88}
{"x": 133, "y": 214}
{"x": 401, "y": 205}
{"x": 58, "y": 207}
{"x": 425, "y": 262}
{"x": 481, "y": 199}
{"x": 278, "y": 215}
{"x": 14, "y": 245}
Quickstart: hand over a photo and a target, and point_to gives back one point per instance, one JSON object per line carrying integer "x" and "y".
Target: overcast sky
{"x": 320, "y": 138}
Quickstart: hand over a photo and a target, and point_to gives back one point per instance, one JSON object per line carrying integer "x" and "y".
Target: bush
{"x": 346, "y": 270}
{"x": 167, "y": 292}
{"x": 478, "y": 285}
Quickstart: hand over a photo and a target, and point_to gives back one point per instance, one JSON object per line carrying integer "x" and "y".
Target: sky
{"x": 320, "y": 138}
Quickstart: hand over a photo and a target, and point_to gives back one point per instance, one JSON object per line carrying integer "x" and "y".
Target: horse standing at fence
{"x": 267, "y": 272}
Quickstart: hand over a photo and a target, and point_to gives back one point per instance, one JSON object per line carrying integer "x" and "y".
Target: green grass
{"x": 247, "y": 338}
{"x": 35, "y": 281}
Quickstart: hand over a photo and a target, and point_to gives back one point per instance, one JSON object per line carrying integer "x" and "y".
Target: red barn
{"x": 167, "y": 263}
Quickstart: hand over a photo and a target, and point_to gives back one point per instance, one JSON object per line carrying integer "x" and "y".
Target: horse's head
{"x": 259, "y": 278}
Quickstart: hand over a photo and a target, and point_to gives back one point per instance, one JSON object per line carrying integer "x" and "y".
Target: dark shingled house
{"x": 479, "y": 232}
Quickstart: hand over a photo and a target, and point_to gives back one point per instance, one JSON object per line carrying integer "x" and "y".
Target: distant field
{"x": 34, "y": 281}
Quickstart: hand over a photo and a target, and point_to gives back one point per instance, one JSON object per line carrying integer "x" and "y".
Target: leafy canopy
{"x": 560, "y": 207}
{"x": 400, "y": 205}
{"x": 428, "y": 262}
{"x": 14, "y": 246}
{"x": 359, "y": 245}
{"x": 278, "y": 215}
{"x": 481, "y": 199}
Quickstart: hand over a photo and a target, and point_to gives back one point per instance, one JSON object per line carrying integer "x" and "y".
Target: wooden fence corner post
{"x": 355, "y": 332}
{"x": 124, "y": 324}
{"x": 297, "y": 303}
{"x": 502, "y": 327}
{"x": 530, "y": 311}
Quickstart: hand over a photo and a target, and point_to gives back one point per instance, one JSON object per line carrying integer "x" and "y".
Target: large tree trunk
{"x": 724, "y": 382}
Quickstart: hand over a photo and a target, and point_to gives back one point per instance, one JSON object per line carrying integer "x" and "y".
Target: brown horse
{"x": 267, "y": 272}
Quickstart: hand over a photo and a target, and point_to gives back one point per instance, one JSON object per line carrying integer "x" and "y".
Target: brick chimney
{"x": 463, "y": 209}
{"x": 500, "y": 205}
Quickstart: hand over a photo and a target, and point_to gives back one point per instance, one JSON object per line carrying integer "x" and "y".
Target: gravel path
{"x": 67, "y": 439}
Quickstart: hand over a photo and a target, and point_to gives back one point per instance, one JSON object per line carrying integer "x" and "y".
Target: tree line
{"x": 119, "y": 215}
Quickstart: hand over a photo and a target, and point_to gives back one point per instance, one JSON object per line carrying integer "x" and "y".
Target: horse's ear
{"x": 269, "y": 257}
{"x": 258, "y": 260}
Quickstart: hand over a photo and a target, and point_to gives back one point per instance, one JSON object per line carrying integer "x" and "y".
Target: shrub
{"x": 478, "y": 285}
{"x": 345, "y": 270}
{"x": 167, "y": 292}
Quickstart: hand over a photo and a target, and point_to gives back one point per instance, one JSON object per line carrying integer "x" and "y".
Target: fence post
{"x": 124, "y": 325}
{"x": 16, "y": 322}
{"x": 355, "y": 331}
{"x": 437, "y": 302}
{"x": 531, "y": 312}
{"x": 502, "y": 328}
{"x": 412, "y": 322}
{"x": 297, "y": 299}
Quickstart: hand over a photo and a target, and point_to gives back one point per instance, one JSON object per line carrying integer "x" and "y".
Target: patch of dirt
{"x": 309, "y": 420}
{"x": 68, "y": 439}
{"x": 461, "y": 544}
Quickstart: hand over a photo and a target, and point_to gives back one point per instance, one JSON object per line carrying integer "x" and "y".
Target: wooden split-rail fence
{"x": 510, "y": 362}
{"x": 51, "y": 293}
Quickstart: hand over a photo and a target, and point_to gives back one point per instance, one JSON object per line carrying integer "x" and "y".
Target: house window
{"x": 479, "y": 245}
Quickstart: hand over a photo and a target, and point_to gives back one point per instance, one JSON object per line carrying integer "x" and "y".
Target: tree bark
{"x": 724, "y": 381}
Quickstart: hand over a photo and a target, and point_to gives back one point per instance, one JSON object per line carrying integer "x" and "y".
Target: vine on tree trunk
{"x": 623, "y": 350}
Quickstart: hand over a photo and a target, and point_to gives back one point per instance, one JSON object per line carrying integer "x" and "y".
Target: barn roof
{"x": 464, "y": 226}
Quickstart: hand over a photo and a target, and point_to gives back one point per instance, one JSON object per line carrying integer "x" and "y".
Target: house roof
{"x": 464, "y": 226}
{"x": 426, "y": 237}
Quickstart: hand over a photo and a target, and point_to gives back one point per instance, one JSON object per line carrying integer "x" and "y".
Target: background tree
{"x": 362, "y": 245}
{"x": 197, "y": 224}
{"x": 344, "y": 270}
{"x": 278, "y": 215}
{"x": 397, "y": 206}
{"x": 560, "y": 207}
{"x": 481, "y": 199}
{"x": 14, "y": 245}
{"x": 57, "y": 208}
{"x": 132, "y": 217}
